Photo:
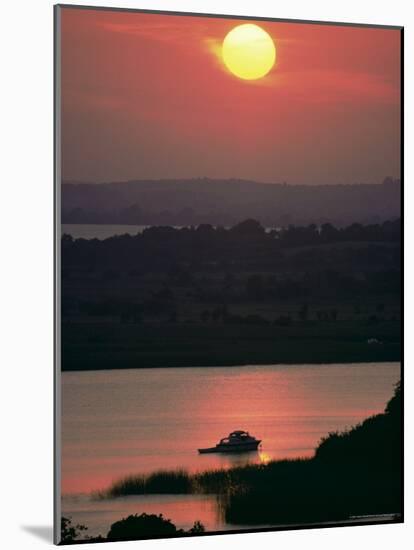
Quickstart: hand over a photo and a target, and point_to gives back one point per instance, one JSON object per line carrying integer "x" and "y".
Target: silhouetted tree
{"x": 205, "y": 316}
{"x": 304, "y": 312}
{"x": 328, "y": 232}
{"x": 334, "y": 314}
{"x": 69, "y": 532}
{"x": 197, "y": 528}
{"x": 255, "y": 287}
{"x": 248, "y": 228}
{"x": 321, "y": 315}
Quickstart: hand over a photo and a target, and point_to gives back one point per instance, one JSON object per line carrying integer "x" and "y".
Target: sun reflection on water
{"x": 264, "y": 457}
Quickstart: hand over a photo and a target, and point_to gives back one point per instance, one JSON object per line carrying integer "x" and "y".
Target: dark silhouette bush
{"x": 147, "y": 526}
{"x": 197, "y": 528}
{"x": 69, "y": 532}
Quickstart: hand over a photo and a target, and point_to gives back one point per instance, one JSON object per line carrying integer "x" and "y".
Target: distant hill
{"x": 226, "y": 202}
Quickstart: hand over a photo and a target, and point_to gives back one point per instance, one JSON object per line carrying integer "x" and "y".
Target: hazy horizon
{"x": 230, "y": 180}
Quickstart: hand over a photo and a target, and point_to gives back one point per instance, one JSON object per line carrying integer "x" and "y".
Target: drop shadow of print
{"x": 42, "y": 532}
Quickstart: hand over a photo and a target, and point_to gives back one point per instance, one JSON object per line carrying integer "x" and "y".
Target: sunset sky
{"x": 147, "y": 96}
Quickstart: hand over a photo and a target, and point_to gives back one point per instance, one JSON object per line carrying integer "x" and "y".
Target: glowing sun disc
{"x": 248, "y": 51}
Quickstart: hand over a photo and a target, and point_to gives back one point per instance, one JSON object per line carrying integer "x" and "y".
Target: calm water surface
{"x": 116, "y": 423}
{"x": 100, "y": 231}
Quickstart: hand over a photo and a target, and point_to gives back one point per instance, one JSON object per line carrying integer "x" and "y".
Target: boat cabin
{"x": 238, "y": 435}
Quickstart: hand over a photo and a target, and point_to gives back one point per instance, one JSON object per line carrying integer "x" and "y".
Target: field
{"x": 113, "y": 345}
{"x": 205, "y": 297}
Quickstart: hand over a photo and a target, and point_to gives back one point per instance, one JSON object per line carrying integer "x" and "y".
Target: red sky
{"x": 146, "y": 96}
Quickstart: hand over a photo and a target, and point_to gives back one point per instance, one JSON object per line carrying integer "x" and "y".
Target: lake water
{"x": 103, "y": 231}
{"x": 100, "y": 231}
{"x": 116, "y": 423}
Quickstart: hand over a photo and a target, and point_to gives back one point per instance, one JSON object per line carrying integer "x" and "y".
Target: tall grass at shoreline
{"x": 161, "y": 482}
{"x": 218, "y": 481}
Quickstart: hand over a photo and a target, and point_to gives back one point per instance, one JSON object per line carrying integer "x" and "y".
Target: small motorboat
{"x": 236, "y": 442}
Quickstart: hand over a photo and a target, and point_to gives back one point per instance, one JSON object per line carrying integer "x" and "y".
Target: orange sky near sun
{"x": 146, "y": 96}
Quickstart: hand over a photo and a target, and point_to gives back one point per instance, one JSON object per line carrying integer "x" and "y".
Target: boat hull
{"x": 233, "y": 448}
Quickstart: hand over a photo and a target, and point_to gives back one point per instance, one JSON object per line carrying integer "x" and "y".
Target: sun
{"x": 248, "y": 51}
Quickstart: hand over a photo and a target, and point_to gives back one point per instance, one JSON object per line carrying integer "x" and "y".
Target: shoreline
{"x": 293, "y": 363}
{"x": 97, "y": 345}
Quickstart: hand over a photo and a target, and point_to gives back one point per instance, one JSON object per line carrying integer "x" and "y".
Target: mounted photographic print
{"x": 228, "y": 274}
